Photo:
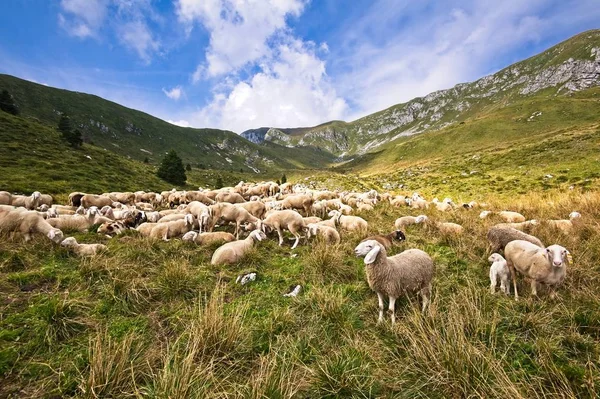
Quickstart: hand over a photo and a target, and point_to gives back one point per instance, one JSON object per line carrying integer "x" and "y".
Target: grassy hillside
{"x": 138, "y": 135}
{"x": 155, "y": 320}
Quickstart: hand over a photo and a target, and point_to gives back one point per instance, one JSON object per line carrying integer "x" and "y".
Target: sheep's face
{"x": 69, "y": 242}
{"x": 369, "y": 250}
{"x": 484, "y": 214}
{"x": 421, "y": 219}
{"x": 399, "y": 235}
{"x": 574, "y": 215}
{"x": 36, "y": 195}
{"x": 44, "y": 208}
{"x": 190, "y": 236}
{"x": 557, "y": 255}
{"x": 495, "y": 258}
{"x": 258, "y": 235}
{"x": 55, "y": 235}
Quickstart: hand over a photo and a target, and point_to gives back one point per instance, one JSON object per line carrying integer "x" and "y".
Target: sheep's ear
{"x": 372, "y": 255}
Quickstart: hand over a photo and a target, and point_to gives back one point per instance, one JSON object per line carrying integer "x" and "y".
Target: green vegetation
{"x": 155, "y": 319}
{"x": 171, "y": 169}
{"x": 73, "y": 137}
{"x": 7, "y": 103}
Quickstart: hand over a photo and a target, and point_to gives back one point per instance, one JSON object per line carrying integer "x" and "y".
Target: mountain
{"x": 137, "y": 135}
{"x": 568, "y": 67}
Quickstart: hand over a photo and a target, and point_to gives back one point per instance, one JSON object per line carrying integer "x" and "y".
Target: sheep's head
{"x": 574, "y": 215}
{"x": 190, "y": 236}
{"x": 189, "y": 219}
{"x": 334, "y": 213}
{"x": 421, "y": 219}
{"x": 105, "y": 209}
{"x": 36, "y": 195}
{"x": 44, "y": 208}
{"x": 93, "y": 211}
{"x": 69, "y": 242}
{"x": 495, "y": 258}
{"x": 557, "y": 255}
{"x": 55, "y": 235}
{"x": 115, "y": 204}
{"x": 80, "y": 210}
{"x": 258, "y": 235}
{"x": 484, "y": 214}
{"x": 399, "y": 235}
{"x": 51, "y": 213}
{"x": 369, "y": 249}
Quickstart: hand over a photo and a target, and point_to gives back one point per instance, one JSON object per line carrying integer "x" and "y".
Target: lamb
{"x": 329, "y": 234}
{"x": 565, "y": 226}
{"x": 208, "y": 238}
{"x": 402, "y": 222}
{"x": 31, "y": 202}
{"x": 173, "y": 229}
{"x": 5, "y": 198}
{"x": 499, "y": 271}
{"x": 541, "y": 265}
{"x": 499, "y": 237}
{"x": 28, "y": 223}
{"x": 232, "y": 252}
{"x": 82, "y": 249}
{"x": 408, "y": 272}
{"x": 286, "y": 219}
{"x": 388, "y": 240}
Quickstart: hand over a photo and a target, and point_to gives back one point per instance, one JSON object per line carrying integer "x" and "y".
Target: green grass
{"x": 155, "y": 319}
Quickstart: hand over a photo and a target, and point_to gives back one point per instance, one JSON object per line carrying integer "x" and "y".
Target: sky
{"x": 242, "y": 64}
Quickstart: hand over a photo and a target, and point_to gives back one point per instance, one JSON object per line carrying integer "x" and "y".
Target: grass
{"x": 155, "y": 319}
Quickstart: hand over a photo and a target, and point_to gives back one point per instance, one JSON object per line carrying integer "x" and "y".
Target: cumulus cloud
{"x": 239, "y": 30}
{"x": 136, "y": 36}
{"x": 175, "y": 93}
{"x": 292, "y": 90}
{"x": 82, "y": 18}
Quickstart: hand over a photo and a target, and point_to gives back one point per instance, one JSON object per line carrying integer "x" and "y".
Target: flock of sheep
{"x": 263, "y": 208}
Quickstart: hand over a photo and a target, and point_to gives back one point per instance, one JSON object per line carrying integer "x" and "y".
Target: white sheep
{"x": 208, "y": 238}
{"x": 349, "y": 223}
{"x": 29, "y": 202}
{"x": 285, "y": 220}
{"x": 499, "y": 271}
{"x": 541, "y": 265}
{"x": 82, "y": 249}
{"x": 174, "y": 229}
{"x": 329, "y": 234}
{"x": 566, "y": 226}
{"x": 408, "y": 272}
{"x": 27, "y": 223}
{"x": 232, "y": 252}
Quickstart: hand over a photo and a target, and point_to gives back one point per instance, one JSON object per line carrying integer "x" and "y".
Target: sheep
{"x": 255, "y": 208}
{"x": 499, "y": 271}
{"x": 232, "y": 198}
{"x": 199, "y": 196}
{"x": 127, "y": 198}
{"x": 521, "y": 226}
{"x": 153, "y": 216}
{"x": 72, "y": 222}
{"x": 298, "y": 202}
{"x": 208, "y": 238}
{"x": 143, "y": 206}
{"x": 99, "y": 201}
{"x": 408, "y": 272}
{"x": 202, "y": 213}
{"x": 388, "y": 239}
{"x": 565, "y": 226}
{"x": 82, "y": 249}
{"x": 286, "y": 219}
{"x": 402, "y": 222}
{"x": 64, "y": 209}
{"x": 231, "y": 213}
{"x": 112, "y": 228}
{"x": 5, "y": 198}
{"x": 173, "y": 229}
{"x": 31, "y": 202}
{"x": 350, "y": 223}
{"x": 362, "y": 207}
{"x": 145, "y": 228}
{"x": 311, "y": 219}
{"x": 498, "y": 237}
{"x": 419, "y": 204}
{"x": 232, "y": 252}
{"x": 449, "y": 228}
{"x": 328, "y": 234}
{"x": 172, "y": 217}
{"x": 46, "y": 199}
{"x": 27, "y": 223}
{"x": 75, "y": 199}
{"x": 541, "y": 265}
{"x": 507, "y": 216}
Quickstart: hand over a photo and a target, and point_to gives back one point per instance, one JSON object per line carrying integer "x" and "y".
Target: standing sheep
{"x": 408, "y": 272}
{"x": 499, "y": 271}
{"x": 499, "y": 236}
{"x": 541, "y": 265}
{"x": 288, "y": 220}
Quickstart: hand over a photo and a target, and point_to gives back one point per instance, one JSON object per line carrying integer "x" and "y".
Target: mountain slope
{"x": 568, "y": 67}
{"x": 138, "y": 135}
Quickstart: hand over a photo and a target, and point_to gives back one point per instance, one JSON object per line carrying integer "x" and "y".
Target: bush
{"x": 171, "y": 169}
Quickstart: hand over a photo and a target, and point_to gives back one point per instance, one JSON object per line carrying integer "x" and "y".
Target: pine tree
{"x": 64, "y": 124}
{"x": 219, "y": 183}
{"x": 171, "y": 169}
{"x": 146, "y": 160}
{"x": 73, "y": 137}
{"x": 283, "y": 179}
{"x": 188, "y": 167}
{"x": 7, "y": 103}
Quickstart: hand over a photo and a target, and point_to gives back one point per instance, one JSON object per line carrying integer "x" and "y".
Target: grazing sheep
{"x": 31, "y": 202}
{"x": 82, "y": 249}
{"x": 230, "y": 213}
{"x": 28, "y": 223}
{"x": 208, "y": 238}
{"x": 408, "y": 272}
{"x": 174, "y": 229}
{"x": 255, "y": 208}
{"x": 499, "y": 237}
{"x": 541, "y": 265}
{"x": 232, "y": 252}
{"x": 328, "y": 234}
{"x": 5, "y": 198}
{"x": 388, "y": 240}
{"x": 288, "y": 220}
{"x": 499, "y": 271}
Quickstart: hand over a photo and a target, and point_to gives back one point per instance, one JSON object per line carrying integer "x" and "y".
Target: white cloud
{"x": 291, "y": 90}
{"x": 82, "y": 18}
{"x": 239, "y": 30}
{"x": 136, "y": 36}
{"x": 175, "y": 93}
{"x": 182, "y": 123}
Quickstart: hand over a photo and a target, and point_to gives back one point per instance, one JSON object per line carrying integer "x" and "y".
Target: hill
{"x": 137, "y": 135}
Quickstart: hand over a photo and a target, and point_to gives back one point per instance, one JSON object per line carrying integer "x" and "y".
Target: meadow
{"x": 154, "y": 319}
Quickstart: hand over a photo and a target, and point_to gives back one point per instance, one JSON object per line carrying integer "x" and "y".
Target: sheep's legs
{"x": 425, "y": 294}
{"x": 513, "y": 276}
{"x": 280, "y": 234}
{"x": 237, "y": 231}
{"x": 297, "y": 241}
{"x": 493, "y": 283}
{"x": 392, "y": 309}
{"x": 533, "y": 287}
{"x": 380, "y": 298}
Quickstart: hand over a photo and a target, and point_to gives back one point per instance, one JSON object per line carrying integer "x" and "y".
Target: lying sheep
{"x": 112, "y": 228}
{"x": 311, "y": 219}
{"x": 446, "y": 228}
{"x": 145, "y": 228}
{"x": 499, "y": 236}
{"x": 388, "y": 240}
{"x": 408, "y": 272}
{"x": 174, "y": 229}
{"x": 285, "y": 220}
{"x": 402, "y": 222}
{"x": 327, "y": 233}
{"x": 541, "y": 265}
{"x": 5, "y": 198}
{"x": 99, "y": 201}
{"x": 232, "y": 252}
{"x": 522, "y": 226}
{"x": 208, "y": 238}
{"x": 349, "y": 223}
{"x": 499, "y": 271}
{"x": 507, "y": 216}
{"x": 28, "y": 223}
{"x": 565, "y": 226}
{"x": 82, "y": 249}
{"x": 31, "y": 202}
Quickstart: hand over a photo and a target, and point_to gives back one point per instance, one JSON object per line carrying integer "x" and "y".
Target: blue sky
{"x": 240, "y": 64}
